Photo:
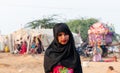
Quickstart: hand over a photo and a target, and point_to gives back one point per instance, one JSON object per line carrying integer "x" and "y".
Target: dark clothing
{"x": 40, "y": 47}
{"x": 66, "y": 54}
{"x": 39, "y": 50}
{"x": 104, "y": 49}
{"x": 18, "y": 47}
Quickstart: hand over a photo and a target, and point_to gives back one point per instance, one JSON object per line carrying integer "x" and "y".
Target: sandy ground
{"x": 11, "y": 63}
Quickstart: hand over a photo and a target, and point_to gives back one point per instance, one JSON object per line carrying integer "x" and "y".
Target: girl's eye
{"x": 66, "y": 33}
{"x": 59, "y": 34}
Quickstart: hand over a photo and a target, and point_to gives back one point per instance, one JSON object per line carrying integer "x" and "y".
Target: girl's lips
{"x": 63, "y": 40}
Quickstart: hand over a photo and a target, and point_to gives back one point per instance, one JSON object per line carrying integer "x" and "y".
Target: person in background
{"x": 61, "y": 55}
{"x": 6, "y": 48}
{"x": 33, "y": 47}
{"x": 40, "y": 47}
{"x": 23, "y": 47}
{"x": 97, "y": 52}
{"x": 18, "y": 47}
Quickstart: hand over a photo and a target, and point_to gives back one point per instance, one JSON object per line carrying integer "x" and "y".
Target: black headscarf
{"x": 66, "y": 55}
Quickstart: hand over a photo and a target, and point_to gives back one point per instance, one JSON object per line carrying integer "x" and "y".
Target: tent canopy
{"x": 46, "y": 35}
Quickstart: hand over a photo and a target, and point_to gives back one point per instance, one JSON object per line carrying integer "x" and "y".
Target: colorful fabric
{"x": 97, "y": 57}
{"x": 23, "y": 48}
{"x": 62, "y": 69}
{"x": 97, "y": 54}
{"x": 108, "y": 38}
{"x": 33, "y": 46}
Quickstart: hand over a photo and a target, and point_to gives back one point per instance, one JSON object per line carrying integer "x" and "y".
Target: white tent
{"x": 46, "y": 36}
{"x": 3, "y": 41}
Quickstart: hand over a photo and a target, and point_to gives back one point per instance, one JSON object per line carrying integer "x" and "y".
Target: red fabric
{"x": 23, "y": 48}
{"x": 108, "y": 60}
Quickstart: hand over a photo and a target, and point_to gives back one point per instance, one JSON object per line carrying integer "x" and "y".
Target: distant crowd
{"x": 35, "y": 47}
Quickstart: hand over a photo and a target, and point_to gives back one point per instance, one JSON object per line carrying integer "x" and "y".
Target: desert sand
{"x": 14, "y": 63}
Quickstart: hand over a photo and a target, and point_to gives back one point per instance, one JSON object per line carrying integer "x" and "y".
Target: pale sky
{"x": 14, "y": 13}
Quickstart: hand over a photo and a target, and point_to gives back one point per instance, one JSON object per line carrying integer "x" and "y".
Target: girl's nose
{"x": 63, "y": 36}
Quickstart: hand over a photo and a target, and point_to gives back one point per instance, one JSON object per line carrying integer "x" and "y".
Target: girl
{"x": 61, "y": 56}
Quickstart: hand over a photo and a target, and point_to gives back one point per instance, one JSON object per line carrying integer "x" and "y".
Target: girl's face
{"x": 63, "y": 38}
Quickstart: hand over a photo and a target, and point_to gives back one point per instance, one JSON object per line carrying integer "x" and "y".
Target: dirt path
{"x": 10, "y": 63}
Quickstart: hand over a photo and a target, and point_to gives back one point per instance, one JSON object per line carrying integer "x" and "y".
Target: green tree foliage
{"x": 46, "y": 22}
{"x": 81, "y": 26}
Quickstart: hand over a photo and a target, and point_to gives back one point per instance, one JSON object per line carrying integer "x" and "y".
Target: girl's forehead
{"x": 61, "y": 33}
